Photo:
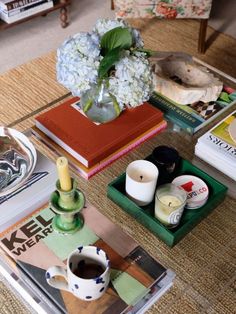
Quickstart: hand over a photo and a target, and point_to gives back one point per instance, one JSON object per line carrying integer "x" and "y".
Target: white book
{"x": 213, "y": 160}
{"x": 33, "y": 194}
{"x": 219, "y": 140}
{"x": 10, "y": 5}
{"x": 24, "y": 14}
{"x": 23, "y": 8}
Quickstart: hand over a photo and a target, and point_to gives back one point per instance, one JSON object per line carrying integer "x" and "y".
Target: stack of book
{"x": 90, "y": 147}
{"x": 35, "y": 192}
{"x": 218, "y": 146}
{"x": 14, "y": 10}
{"x": 30, "y": 247}
{"x": 192, "y": 117}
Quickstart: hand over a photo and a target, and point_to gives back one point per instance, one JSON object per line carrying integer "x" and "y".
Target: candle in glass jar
{"x": 169, "y": 204}
{"x": 63, "y": 174}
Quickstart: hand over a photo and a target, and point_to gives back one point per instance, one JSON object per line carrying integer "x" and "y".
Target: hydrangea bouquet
{"x": 108, "y": 68}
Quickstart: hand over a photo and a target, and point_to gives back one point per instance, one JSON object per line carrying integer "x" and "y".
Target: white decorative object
{"x": 179, "y": 78}
{"x": 141, "y": 180}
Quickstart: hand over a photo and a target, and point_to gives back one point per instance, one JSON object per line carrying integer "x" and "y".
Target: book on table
{"x": 87, "y": 173}
{"x": 9, "y": 5}
{"x": 218, "y": 146}
{"x": 34, "y": 192}
{"x": 90, "y": 143}
{"x": 20, "y": 13}
{"x": 193, "y": 117}
{"x": 31, "y": 246}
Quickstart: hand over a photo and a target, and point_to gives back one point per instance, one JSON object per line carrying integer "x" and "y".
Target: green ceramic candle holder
{"x": 67, "y": 205}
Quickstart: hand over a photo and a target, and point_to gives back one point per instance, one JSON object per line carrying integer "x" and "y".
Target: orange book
{"x": 87, "y": 173}
{"x": 90, "y": 143}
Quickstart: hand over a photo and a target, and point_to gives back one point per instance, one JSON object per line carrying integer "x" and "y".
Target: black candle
{"x": 166, "y": 159}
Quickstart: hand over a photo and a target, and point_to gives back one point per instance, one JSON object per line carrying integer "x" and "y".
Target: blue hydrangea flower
{"x": 78, "y": 60}
{"x": 132, "y": 83}
{"x": 104, "y": 25}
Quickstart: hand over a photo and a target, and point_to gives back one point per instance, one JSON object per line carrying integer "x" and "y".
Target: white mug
{"x": 87, "y": 273}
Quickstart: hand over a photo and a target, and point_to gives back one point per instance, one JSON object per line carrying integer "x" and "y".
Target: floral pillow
{"x": 163, "y": 8}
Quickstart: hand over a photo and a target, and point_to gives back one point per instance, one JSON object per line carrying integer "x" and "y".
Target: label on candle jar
{"x": 175, "y": 216}
{"x": 171, "y": 218}
{"x": 168, "y": 209}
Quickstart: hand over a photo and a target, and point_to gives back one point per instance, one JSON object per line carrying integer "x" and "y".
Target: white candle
{"x": 140, "y": 183}
{"x": 63, "y": 174}
{"x": 169, "y": 204}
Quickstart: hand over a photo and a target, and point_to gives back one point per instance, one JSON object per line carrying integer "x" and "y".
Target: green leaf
{"x": 116, "y": 38}
{"x": 115, "y": 105}
{"x": 88, "y": 105}
{"x": 108, "y": 61}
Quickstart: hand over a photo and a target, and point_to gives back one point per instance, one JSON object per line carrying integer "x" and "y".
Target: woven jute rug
{"x": 204, "y": 261}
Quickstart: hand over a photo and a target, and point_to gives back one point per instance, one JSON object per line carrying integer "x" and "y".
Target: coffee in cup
{"x": 87, "y": 273}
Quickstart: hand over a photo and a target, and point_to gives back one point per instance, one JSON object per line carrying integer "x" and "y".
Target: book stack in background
{"x": 14, "y": 10}
{"x": 193, "y": 117}
{"x": 218, "y": 146}
{"x": 90, "y": 147}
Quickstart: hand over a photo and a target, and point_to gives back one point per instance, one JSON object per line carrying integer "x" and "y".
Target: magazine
{"x": 218, "y": 148}
{"x": 33, "y": 246}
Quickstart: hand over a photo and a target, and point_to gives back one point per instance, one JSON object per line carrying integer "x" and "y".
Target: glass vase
{"x": 99, "y": 105}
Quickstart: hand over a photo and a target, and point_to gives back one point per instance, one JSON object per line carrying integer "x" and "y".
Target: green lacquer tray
{"x": 190, "y": 218}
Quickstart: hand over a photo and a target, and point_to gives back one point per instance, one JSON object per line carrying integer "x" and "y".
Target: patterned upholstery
{"x": 163, "y": 8}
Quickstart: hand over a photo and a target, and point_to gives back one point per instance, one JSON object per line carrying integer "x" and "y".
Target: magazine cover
{"x": 35, "y": 247}
{"x": 219, "y": 141}
{"x": 218, "y": 147}
{"x": 222, "y": 130}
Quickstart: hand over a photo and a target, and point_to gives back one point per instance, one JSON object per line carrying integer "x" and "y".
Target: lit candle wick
{"x": 141, "y": 177}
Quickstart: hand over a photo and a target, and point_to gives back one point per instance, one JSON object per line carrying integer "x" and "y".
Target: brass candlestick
{"x": 67, "y": 205}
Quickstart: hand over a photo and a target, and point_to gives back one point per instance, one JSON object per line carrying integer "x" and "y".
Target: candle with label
{"x": 63, "y": 174}
{"x": 169, "y": 204}
{"x": 140, "y": 183}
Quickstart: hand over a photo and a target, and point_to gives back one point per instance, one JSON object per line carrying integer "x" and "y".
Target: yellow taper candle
{"x": 63, "y": 174}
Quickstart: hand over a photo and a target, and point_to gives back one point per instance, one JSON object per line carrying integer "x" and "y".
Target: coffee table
{"x": 203, "y": 261}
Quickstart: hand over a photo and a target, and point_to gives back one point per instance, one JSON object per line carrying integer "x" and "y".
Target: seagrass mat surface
{"x": 204, "y": 261}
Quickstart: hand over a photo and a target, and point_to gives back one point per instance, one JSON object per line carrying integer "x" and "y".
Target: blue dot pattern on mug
{"x": 80, "y": 248}
{"x": 48, "y": 276}
{"x": 99, "y": 280}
